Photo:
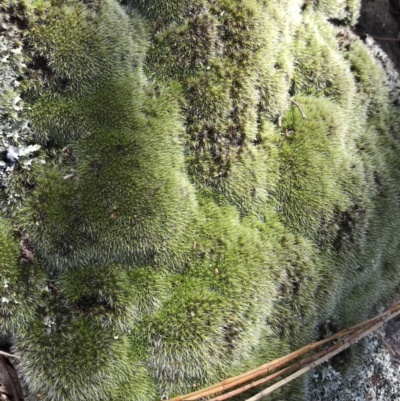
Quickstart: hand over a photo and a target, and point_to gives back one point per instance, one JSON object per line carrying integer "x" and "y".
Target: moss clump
{"x": 320, "y": 70}
{"x": 21, "y": 280}
{"x": 102, "y": 292}
{"x": 345, "y": 12}
{"x": 210, "y": 312}
{"x": 220, "y": 59}
{"x": 74, "y": 54}
{"x": 165, "y": 10}
{"x": 221, "y": 178}
{"x": 144, "y": 187}
{"x": 317, "y": 179}
{"x": 85, "y": 359}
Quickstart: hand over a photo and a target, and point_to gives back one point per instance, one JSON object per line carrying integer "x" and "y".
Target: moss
{"x": 22, "y": 282}
{"x": 191, "y": 222}
{"x": 84, "y": 359}
{"x": 235, "y": 73}
{"x": 205, "y": 313}
{"x": 320, "y": 69}
{"x": 376, "y": 148}
{"x": 197, "y": 39}
{"x": 191, "y": 319}
{"x": 151, "y": 287}
{"x": 166, "y": 10}
{"x": 369, "y": 77}
{"x": 315, "y": 172}
{"x": 102, "y": 292}
{"x": 126, "y": 204}
{"x": 342, "y": 11}
{"x": 73, "y": 54}
{"x": 120, "y": 153}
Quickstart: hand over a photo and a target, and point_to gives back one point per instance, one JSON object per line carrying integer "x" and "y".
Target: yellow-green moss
{"x": 192, "y": 223}
{"x": 343, "y": 11}
{"x": 21, "y": 284}
{"x": 320, "y": 69}
{"x": 72, "y": 357}
{"x": 131, "y": 150}
{"x": 75, "y": 53}
{"x": 317, "y": 180}
{"x": 228, "y": 71}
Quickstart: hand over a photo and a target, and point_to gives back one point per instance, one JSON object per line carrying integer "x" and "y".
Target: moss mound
{"x": 220, "y": 178}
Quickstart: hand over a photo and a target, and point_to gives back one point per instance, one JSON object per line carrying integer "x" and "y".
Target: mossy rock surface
{"x": 216, "y": 179}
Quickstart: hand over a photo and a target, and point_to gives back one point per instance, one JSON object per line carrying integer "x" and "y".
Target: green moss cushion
{"x": 218, "y": 179}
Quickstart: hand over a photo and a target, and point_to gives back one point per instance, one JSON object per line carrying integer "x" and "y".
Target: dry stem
{"x": 299, "y": 107}
{"x": 268, "y": 367}
{"x": 335, "y": 349}
{"x": 9, "y": 355}
{"x": 386, "y": 344}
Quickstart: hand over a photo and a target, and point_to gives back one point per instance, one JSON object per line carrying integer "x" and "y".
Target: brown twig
{"x": 297, "y": 374}
{"x": 386, "y": 344}
{"x": 348, "y": 333}
{"x": 284, "y": 371}
{"x": 268, "y": 367}
{"x": 303, "y": 115}
{"x": 381, "y": 38}
{"x": 358, "y": 335}
{"x": 9, "y": 355}
{"x": 263, "y": 369}
{"x": 257, "y": 383}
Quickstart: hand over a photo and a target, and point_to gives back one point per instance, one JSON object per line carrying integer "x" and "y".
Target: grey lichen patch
{"x": 18, "y": 150}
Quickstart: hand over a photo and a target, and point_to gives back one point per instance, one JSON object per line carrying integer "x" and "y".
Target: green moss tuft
{"x": 166, "y": 10}
{"x": 320, "y": 69}
{"x": 132, "y": 151}
{"x": 315, "y": 172}
{"x": 226, "y": 78}
{"x": 343, "y": 11}
{"x": 102, "y": 292}
{"x": 74, "y": 54}
{"x": 83, "y": 358}
{"x": 192, "y": 223}
{"x": 21, "y": 280}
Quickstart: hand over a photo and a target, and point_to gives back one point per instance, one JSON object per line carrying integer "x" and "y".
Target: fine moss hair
{"x": 221, "y": 180}
{"x": 22, "y": 283}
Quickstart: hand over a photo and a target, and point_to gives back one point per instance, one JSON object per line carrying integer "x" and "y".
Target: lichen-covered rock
{"x": 198, "y": 187}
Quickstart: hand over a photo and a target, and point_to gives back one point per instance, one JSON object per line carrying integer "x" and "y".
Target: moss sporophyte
{"x": 188, "y": 189}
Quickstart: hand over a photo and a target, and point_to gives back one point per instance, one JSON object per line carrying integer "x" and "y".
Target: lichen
{"x": 15, "y": 128}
